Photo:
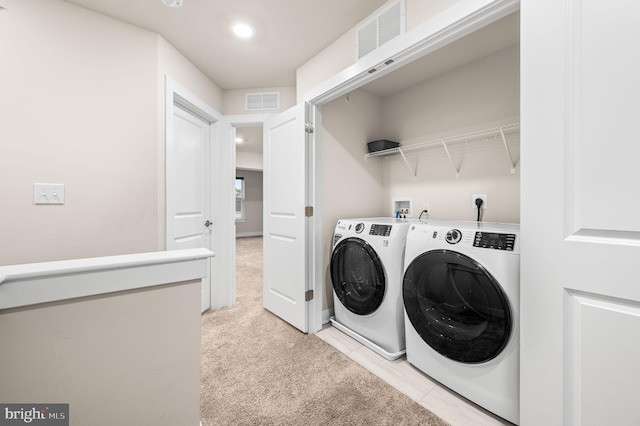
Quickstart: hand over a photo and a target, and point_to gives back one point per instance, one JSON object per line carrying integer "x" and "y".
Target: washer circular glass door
{"x": 456, "y": 306}
{"x": 357, "y": 275}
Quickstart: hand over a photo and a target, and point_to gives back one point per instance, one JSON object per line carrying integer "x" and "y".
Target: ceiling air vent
{"x": 262, "y": 101}
{"x": 388, "y": 24}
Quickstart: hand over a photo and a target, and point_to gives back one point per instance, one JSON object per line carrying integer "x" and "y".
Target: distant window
{"x": 239, "y": 198}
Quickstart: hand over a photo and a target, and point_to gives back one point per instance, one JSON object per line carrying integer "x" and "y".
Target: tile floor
{"x": 412, "y": 382}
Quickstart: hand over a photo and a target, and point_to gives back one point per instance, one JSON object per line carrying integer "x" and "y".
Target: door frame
{"x": 239, "y": 120}
{"x": 222, "y": 175}
{"x": 459, "y": 20}
{"x": 314, "y": 224}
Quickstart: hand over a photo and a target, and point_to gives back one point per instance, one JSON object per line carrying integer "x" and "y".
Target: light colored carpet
{"x": 258, "y": 370}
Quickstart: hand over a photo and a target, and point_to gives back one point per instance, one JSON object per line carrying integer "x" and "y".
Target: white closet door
{"x": 285, "y": 224}
{"x": 580, "y": 288}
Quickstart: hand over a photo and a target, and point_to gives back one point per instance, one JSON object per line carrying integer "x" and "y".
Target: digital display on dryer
{"x": 494, "y": 240}
{"x": 383, "y": 230}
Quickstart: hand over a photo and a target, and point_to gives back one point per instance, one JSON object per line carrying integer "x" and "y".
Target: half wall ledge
{"x": 35, "y": 283}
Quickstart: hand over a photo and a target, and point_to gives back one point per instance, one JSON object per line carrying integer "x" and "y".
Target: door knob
{"x": 208, "y": 223}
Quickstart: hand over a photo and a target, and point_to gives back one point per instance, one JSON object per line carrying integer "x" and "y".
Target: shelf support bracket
{"x": 444, "y": 145}
{"x": 506, "y": 147}
{"x": 404, "y": 157}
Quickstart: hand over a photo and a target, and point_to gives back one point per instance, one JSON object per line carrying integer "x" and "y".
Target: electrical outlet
{"x": 483, "y": 197}
{"x": 425, "y": 208}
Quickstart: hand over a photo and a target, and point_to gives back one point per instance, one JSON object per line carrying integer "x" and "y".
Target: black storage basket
{"x": 381, "y": 145}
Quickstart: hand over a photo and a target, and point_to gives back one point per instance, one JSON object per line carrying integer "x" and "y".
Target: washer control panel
{"x": 494, "y": 240}
{"x": 382, "y": 230}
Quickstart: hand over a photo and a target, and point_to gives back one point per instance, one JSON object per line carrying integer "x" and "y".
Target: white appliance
{"x": 461, "y": 294}
{"x": 366, "y": 271}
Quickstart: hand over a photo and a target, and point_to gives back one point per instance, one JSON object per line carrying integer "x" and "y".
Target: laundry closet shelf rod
{"x": 489, "y": 133}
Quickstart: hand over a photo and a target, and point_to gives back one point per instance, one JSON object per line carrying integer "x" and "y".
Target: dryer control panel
{"x": 382, "y": 230}
{"x": 495, "y": 240}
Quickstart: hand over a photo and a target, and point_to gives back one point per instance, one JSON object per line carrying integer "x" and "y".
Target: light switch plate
{"x": 48, "y": 193}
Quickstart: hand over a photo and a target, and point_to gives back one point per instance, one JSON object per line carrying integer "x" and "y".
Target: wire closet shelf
{"x": 493, "y": 132}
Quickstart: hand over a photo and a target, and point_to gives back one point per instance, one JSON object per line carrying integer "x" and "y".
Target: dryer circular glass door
{"x": 456, "y": 306}
{"x": 357, "y": 275}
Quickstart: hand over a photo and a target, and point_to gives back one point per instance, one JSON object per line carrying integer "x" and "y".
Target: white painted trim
{"x": 315, "y": 320}
{"x": 240, "y": 120}
{"x": 223, "y": 289}
{"x": 23, "y": 285}
{"x": 459, "y": 20}
{"x": 222, "y": 208}
{"x": 246, "y": 120}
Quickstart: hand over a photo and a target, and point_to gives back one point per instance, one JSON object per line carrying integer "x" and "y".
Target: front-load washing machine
{"x": 366, "y": 271}
{"x": 461, "y": 294}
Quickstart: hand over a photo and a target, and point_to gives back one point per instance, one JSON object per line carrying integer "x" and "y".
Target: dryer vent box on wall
{"x": 381, "y": 145}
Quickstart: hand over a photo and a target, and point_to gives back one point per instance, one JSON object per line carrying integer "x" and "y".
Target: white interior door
{"x": 580, "y": 287}
{"x": 188, "y": 187}
{"x": 285, "y": 249}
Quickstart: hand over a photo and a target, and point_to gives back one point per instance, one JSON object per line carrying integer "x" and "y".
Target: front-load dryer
{"x": 461, "y": 294}
{"x": 366, "y": 271}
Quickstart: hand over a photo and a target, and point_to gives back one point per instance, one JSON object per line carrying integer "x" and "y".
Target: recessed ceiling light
{"x": 172, "y": 3}
{"x": 242, "y": 30}
{"x": 239, "y": 140}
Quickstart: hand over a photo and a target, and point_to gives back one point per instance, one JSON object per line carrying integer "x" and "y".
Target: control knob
{"x": 453, "y": 236}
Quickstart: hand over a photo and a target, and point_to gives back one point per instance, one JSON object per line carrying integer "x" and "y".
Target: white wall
{"x": 479, "y": 95}
{"x": 131, "y": 357}
{"x": 419, "y": 11}
{"x": 253, "y": 205}
{"x": 174, "y": 64}
{"x": 342, "y": 53}
{"x": 351, "y": 185}
{"x": 249, "y": 160}
{"x": 82, "y": 104}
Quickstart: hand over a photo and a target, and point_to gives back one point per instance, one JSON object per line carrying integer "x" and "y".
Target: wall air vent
{"x": 262, "y": 101}
{"x": 388, "y": 24}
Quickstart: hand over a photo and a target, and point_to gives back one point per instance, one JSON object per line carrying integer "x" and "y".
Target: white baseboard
{"x": 248, "y": 234}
